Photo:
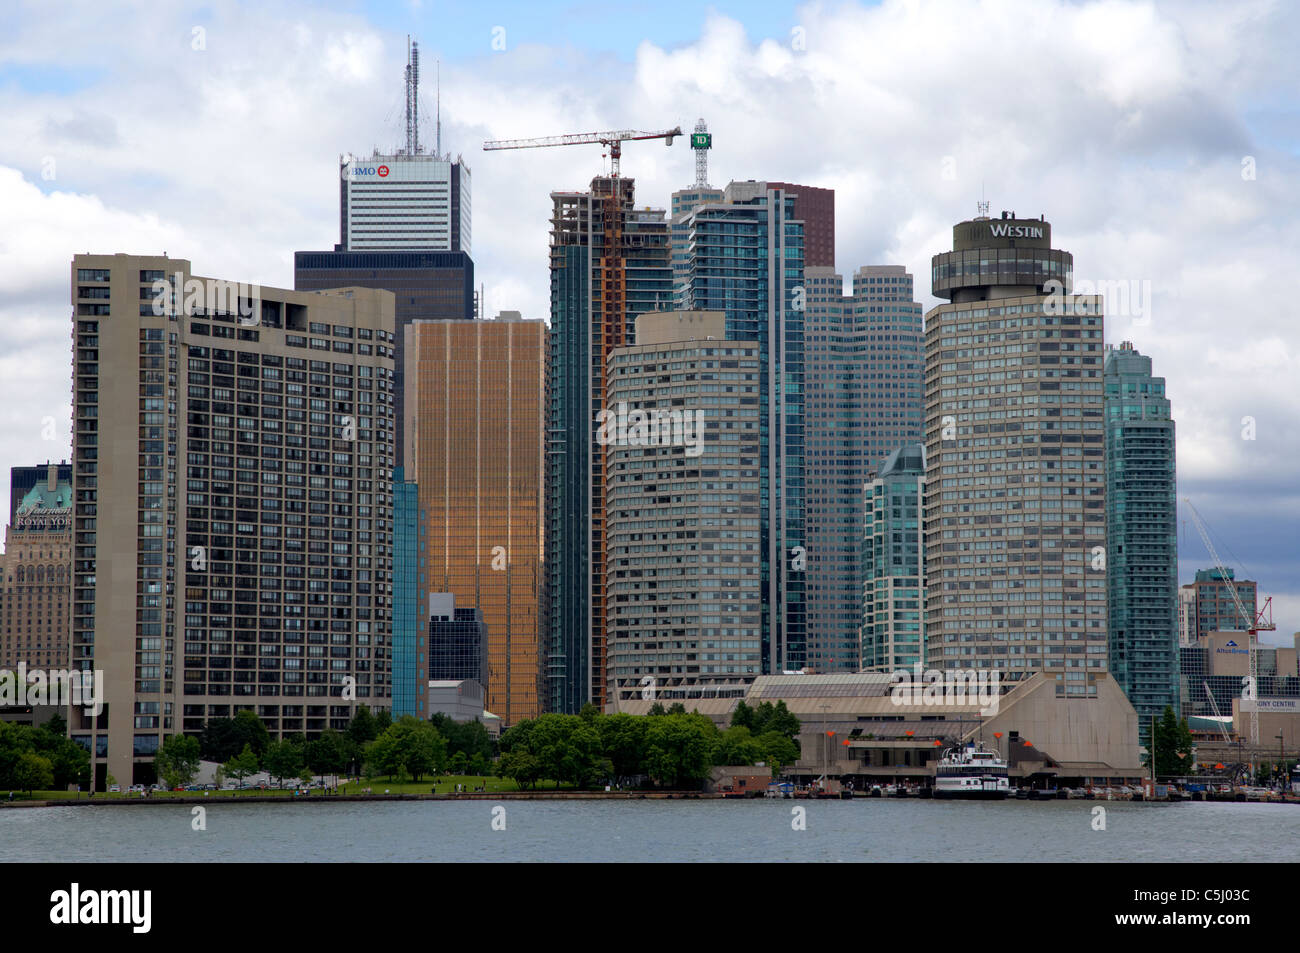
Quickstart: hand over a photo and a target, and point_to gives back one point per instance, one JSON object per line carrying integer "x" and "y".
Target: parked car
{"x": 115, "y": 789}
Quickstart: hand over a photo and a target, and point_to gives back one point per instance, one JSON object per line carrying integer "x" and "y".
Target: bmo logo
{"x": 381, "y": 171}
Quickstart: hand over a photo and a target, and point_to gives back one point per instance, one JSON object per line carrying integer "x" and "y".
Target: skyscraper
{"x": 36, "y": 571}
{"x": 1015, "y": 460}
{"x": 683, "y": 563}
{"x": 609, "y": 263}
{"x": 406, "y": 202}
{"x": 232, "y": 461}
{"x": 475, "y": 437}
{"x": 864, "y": 401}
{"x": 426, "y": 286}
{"x": 745, "y": 259}
{"x": 1141, "y": 534}
{"x": 816, "y": 209}
{"x": 893, "y": 567}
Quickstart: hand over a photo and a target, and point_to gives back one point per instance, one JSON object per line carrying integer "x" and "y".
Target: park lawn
{"x": 444, "y": 783}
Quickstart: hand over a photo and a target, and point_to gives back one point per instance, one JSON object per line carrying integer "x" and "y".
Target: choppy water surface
{"x": 680, "y": 831}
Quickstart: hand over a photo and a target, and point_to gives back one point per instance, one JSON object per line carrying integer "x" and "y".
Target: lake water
{"x": 654, "y": 830}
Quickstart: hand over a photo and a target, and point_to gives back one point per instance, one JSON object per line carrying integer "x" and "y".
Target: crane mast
{"x": 1253, "y": 624}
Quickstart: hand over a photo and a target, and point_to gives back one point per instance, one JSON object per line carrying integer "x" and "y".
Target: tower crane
{"x": 612, "y": 140}
{"x": 1263, "y": 622}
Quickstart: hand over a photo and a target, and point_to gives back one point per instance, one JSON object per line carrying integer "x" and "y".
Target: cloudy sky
{"x": 1162, "y": 141}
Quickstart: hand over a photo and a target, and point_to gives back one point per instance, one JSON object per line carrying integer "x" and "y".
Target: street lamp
{"x": 1282, "y": 772}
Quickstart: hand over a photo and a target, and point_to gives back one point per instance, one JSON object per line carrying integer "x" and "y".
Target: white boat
{"x": 971, "y": 772}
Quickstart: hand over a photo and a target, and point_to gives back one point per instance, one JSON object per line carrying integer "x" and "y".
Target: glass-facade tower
{"x": 744, "y": 257}
{"x": 893, "y": 632}
{"x": 610, "y": 261}
{"x": 1141, "y": 534}
{"x": 864, "y": 401}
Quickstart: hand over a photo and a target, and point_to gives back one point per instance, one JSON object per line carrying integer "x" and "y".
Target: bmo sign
{"x": 355, "y": 170}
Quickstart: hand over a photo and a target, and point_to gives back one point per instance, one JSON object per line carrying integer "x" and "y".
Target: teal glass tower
{"x": 744, "y": 256}
{"x": 408, "y": 667}
{"x": 1141, "y": 534}
{"x": 893, "y": 633}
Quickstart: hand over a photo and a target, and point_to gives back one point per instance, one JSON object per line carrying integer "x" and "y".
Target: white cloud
{"x": 1125, "y": 123}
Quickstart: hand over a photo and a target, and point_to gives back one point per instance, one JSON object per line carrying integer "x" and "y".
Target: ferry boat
{"x": 971, "y": 772}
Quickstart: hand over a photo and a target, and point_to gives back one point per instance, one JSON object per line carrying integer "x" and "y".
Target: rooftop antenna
{"x": 412, "y": 97}
{"x": 983, "y": 206}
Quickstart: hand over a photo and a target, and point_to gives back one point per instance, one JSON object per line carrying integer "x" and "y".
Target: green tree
{"x": 470, "y": 737}
{"x": 656, "y": 710}
{"x": 589, "y": 713}
{"x": 778, "y": 751}
{"x": 622, "y": 741}
{"x": 478, "y": 765}
{"x": 521, "y": 766}
{"x": 32, "y": 772}
{"x": 568, "y": 748}
{"x": 1171, "y": 737}
{"x": 737, "y": 746}
{"x": 283, "y": 760}
{"x": 326, "y": 754}
{"x": 362, "y": 729}
{"x": 743, "y": 716}
{"x": 382, "y": 757}
{"x": 177, "y": 761}
{"x": 679, "y": 749}
{"x": 241, "y": 765}
{"x": 459, "y": 763}
{"x": 249, "y": 730}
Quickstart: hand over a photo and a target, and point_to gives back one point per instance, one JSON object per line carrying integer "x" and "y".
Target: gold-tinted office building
{"x": 474, "y": 442}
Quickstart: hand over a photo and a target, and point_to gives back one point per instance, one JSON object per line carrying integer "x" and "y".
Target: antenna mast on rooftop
{"x": 412, "y": 97}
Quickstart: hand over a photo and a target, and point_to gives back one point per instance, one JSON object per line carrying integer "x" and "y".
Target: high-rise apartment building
{"x": 744, "y": 257}
{"x": 681, "y": 447}
{"x": 1141, "y": 534}
{"x": 610, "y": 262}
{"x": 863, "y": 400}
{"x": 893, "y": 566}
{"x": 1212, "y": 608}
{"x": 683, "y": 202}
{"x": 232, "y": 464}
{"x": 476, "y": 399}
{"x": 1015, "y": 460}
{"x": 36, "y": 571}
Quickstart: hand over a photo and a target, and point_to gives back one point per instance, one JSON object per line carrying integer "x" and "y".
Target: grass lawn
{"x": 445, "y": 784}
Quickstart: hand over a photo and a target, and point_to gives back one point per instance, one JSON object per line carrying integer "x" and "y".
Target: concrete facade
{"x": 232, "y": 465}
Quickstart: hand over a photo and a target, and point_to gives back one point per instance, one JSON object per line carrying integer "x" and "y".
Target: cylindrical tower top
{"x": 999, "y": 258}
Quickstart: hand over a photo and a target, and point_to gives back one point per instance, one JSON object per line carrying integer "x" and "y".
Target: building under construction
{"x": 609, "y": 263}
